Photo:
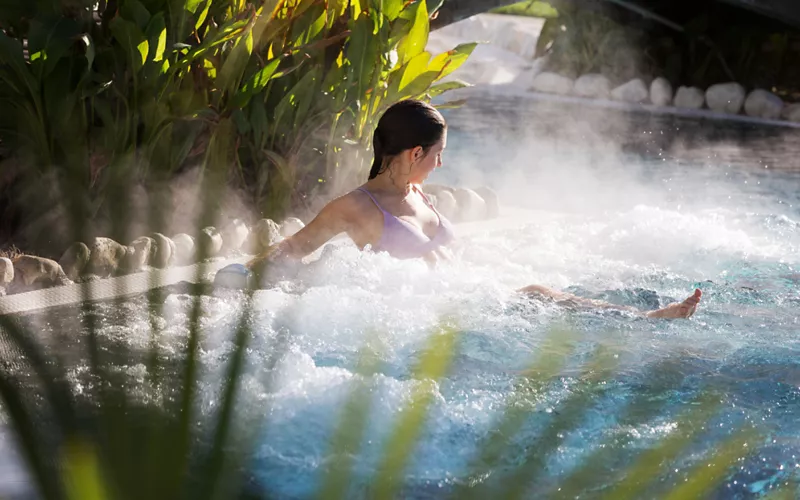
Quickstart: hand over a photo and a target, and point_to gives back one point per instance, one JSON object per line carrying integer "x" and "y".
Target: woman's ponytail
{"x": 377, "y": 149}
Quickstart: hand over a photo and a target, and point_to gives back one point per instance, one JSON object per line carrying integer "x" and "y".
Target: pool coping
{"x": 702, "y": 114}
{"x": 142, "y": 282}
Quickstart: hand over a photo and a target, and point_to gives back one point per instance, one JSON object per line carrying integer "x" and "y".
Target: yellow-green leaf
{"x": 83, "y": 474}
{"x": 157, "y": 36}
{"x": 441, "y": 88}
{"x": 162, "y": 45}
{"x": 433, "y": 365}
{"x": 336, "y": 9}
{"x": 256, "y": 83}
{"x": 415, "y": 67}
{"x": 447, "y": 62}
{"x": 417, "y": 38}
{"x": 131, "y": 39}
{"x": 144, "y": 49}
{"x": 234, "y": 66}
{"x": 203, "y": 14}
{"x": 391, "y": 8}
{"x": 362, "y": 53}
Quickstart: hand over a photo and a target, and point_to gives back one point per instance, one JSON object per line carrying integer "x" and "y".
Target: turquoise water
{"x": 635, "y": 233}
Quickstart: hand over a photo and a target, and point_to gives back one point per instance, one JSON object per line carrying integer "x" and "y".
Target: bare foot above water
{"x": 679, "y": 309}
{"x": 673, "y": 311}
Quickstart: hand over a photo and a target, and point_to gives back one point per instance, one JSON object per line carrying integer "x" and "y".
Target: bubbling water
{"x": 307, "y": 339}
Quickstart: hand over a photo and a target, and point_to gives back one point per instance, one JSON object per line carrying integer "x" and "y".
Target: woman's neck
{"x": 385, "y": 182}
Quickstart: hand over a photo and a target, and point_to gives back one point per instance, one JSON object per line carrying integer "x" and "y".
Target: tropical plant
{"x": 697, "y": 47}
{"x": 135, "y": 91}
{"x": 529, "y": 8}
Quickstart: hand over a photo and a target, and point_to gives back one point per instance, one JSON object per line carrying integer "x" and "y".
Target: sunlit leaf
{"x": 256, "y": 83}
{"x": 232, "y": 70}
{"x": 433, "y": 365}
{"x": 447, "y": 62}
{"x": 417, "y": 38}
{"x": 705, "y": 476}
{"x": 201, "y": 18}
{"x": 82, "y": 471}
{"x": 415, "y": 67}
{"x": 336, "y": 9}
{"x": 391, "y": 8}
{"x": 441, "y": 88}
{"x": 362, "y": 54}
{"x": 157, "y": 36}
{"x": 132, "y": 40}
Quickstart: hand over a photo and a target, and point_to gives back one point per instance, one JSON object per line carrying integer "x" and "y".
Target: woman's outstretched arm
{"x": 333, "y": 219}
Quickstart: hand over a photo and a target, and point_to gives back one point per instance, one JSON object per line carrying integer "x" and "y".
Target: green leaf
{"x": 413, "y": 79}
{"x": 132, "y": 40}
{"x": 50, "y": 38}
{"x": 350, "y": 429}
{"x": 305, "y": 95}
{"x": 433, "y": 365}
{"x": 362, "y": 54}
{"x": 447, "y": 62}
{"x": 192, "y": 5}
{"x": 233, "y": 68}
{"x": 84, "y": 475}
{"x": 417, "y": 38}
{"x": 336, "y": 9}
{"x": 11, "y": 54}
{"x": 89, "y": 53}
{"x": 157, "y": 36}
{"x": 649, "y": 464}
{"x": 392, "y": 8}
{"x": 595, "y": 373}
{"x": 203, "y": 14}
{"x": 415, "y": 67}
{"x": 259, "y": 123}
{"x": 291, "y": 110}
{"x": 229, "y": 31}
{"x": 441, "y": 88}
{"x": 133, "y": 10}
{"x": 356, "y": 9}
{"x": 309, "y": 26}
{"x": 547, "y": 36}
{"x": 705, "y": 477}
{"x": 435, "y": 6}
{"x": 256, "y": 83}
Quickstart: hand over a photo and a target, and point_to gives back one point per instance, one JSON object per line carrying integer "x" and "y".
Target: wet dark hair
{"x": 405, "y": 125}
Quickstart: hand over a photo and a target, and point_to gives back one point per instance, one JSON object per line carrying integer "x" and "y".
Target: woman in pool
{"x": 390, "y": 213}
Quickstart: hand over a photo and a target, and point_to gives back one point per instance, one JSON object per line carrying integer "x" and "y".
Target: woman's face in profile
{"x": 429, "y": 162}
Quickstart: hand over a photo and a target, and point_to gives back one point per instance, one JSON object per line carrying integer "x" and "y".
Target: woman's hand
{"x": 273, "y": 254}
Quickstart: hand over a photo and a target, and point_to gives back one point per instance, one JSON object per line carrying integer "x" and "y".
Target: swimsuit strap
{"x": 426, "y": 200}
{"x": 373, "y": 199}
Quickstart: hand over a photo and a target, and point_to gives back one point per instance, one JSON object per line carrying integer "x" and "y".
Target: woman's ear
{"x": 417, "y": 153}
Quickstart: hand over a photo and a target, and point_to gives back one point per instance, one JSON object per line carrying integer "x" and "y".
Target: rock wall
{"x": 506, "y": 57}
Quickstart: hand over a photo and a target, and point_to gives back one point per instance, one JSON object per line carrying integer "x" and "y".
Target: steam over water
{"x": 642, "y": 235}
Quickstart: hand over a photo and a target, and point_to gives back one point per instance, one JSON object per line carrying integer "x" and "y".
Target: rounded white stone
{"x": 633, "y": 91}
{"x": 763, "y": 104}
{"x": 689, "y": 98}
{"x": 725, "y": 98}
{"x": 552, "y": 83}
{"x": 661, "y": 92}
{"x": 592, "y": 85}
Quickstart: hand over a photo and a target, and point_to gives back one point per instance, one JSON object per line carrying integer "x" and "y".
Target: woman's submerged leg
{"x": 677, "y": 310}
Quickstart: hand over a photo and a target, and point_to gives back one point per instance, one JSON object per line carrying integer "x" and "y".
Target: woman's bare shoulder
{"x": 350, "y": 204}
